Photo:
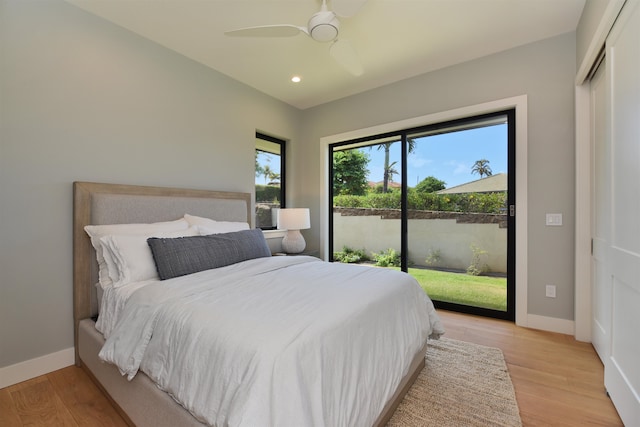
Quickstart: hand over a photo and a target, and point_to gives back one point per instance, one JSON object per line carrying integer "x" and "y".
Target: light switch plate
{"x": 554, "y": 219}
{"x": 550, "y": 291}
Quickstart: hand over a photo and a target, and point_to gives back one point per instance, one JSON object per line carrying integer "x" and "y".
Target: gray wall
{"x": 82, "y": 99}
{"x": 545, "y": 72}
{"x": 589, "y": 21}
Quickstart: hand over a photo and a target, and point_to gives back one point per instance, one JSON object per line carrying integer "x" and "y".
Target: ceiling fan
{"x": 323, "y": 26}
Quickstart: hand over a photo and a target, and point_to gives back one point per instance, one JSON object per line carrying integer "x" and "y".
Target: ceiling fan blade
{"x": 284, "y": 30}
{"x": 344, "y": 54}
{"x": 346, "y": 8}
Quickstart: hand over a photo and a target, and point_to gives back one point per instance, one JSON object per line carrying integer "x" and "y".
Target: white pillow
{"x": 98, "y": 231}
{"x": 113, "y": 269}
{"x": 129, "y": 258}
{"x": 210, "y": 226}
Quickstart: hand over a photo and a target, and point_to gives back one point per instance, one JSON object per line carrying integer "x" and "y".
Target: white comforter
{"x": 280, "y": 341}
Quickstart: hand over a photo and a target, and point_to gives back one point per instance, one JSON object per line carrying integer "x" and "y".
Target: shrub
{"x": 348, "y": 201}
{"x": 388, "y": 258}
{"x": 267, "y": 193}
{"x": 433, "y": 257}
{"x": 466, "y": 202}
{"x": 349, "y": 255}
{"x": 477, "y": 266}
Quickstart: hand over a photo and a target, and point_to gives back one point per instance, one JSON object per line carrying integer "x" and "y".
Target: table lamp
{"x": 293, "y": 220}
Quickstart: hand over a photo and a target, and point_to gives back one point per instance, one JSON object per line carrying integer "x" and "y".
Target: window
{"x": 270, "y": 180}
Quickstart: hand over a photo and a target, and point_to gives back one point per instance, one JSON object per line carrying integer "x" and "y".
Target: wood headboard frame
{"x": 128, "y": 203}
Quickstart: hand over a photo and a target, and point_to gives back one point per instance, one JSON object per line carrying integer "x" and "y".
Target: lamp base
{"x": 293, "y": 242}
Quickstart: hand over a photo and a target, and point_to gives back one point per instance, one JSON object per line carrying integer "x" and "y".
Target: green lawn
{"x": 461, "y": 288}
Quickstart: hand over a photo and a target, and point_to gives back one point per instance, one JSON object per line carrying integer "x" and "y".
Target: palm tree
{"x": 387, "y": 166}
{"x": 481, "y": 167}
{"x": 266, "y": 172}
{"x": 274, "y": 177}
{"x": 390, "y": 171}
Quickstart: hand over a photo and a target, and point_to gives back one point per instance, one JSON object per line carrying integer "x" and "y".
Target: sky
{"x": 273, "y": 161}
{"x": 448, "y": 157}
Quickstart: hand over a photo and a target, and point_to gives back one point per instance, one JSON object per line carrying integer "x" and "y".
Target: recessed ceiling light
{"x": 296, "y": 79}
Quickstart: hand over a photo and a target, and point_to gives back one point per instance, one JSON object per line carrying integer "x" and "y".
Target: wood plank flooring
{"x": 558, "y": 382}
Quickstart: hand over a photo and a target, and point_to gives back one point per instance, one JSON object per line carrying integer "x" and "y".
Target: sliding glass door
{"x": 436, "y": 202}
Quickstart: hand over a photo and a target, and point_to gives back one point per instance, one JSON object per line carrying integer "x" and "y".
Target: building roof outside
{"x": 490, "y": 184}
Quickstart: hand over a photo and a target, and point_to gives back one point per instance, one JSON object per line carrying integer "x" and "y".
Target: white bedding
{"x": 112, "y": 303}
{"x": 279, "y": 341}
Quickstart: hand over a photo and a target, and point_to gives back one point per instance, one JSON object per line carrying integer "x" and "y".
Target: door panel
{"x": 359, "y": 232}
{"x": 601, "y": 276}
{"x": 461, "y": 249}
{"x": 622, "y": 370}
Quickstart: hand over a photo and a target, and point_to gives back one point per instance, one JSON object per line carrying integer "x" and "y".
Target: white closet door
{"x": 622, "y": 369}
{"x": 601, "y": 215}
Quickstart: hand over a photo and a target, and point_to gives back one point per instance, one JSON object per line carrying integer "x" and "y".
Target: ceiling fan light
{"x": 323, "y": 26}
{"x": 324, "y": 32}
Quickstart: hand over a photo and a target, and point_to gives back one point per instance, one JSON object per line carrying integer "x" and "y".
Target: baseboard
{"x": 28, "y": 369}
{"x": 551, "y": 324}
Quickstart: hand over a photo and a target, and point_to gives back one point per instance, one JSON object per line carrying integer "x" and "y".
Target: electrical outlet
{"x": 551, "y": 291}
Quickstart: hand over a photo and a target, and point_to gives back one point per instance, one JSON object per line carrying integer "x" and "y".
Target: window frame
{"x": 282, "y": 143}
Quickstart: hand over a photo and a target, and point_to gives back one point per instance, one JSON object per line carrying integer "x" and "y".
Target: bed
{"x": 300, "y": 353}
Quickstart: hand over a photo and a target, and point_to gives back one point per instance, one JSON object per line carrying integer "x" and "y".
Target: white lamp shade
{"x": 294, "y": 219}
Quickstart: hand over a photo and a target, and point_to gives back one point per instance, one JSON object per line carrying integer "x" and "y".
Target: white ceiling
{"x": 395, "y": 39}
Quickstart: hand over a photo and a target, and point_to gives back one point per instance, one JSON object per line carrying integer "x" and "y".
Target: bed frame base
{"x": 414, "y": 370}
{"x": 141, "y": 403}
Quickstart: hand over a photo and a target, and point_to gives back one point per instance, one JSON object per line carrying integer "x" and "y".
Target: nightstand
{"x": 307, "y": 253}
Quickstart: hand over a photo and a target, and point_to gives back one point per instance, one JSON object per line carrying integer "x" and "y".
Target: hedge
{"x": 267, "y": 193}
{"x": 494, "y": 203}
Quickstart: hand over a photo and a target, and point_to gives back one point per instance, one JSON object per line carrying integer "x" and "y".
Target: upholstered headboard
{"x": 97, "y": 203}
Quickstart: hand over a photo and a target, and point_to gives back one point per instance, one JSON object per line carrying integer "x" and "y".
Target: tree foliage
{"x": 259, "y": 168}
{"x": 388, "y": 167}
{"x": 430, "y": 184}
{"x": 267, "y": 173}
{"x": 350, "y": 172}
{"x": 481, "y": 167}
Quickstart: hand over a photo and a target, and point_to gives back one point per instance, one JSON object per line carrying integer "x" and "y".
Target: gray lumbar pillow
{"x": 185, "y": 255}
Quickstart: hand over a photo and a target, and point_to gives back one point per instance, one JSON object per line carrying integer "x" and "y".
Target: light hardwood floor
{"x": 558, "y": 382}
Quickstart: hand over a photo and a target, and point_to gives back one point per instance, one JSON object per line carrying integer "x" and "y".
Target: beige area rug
{"x": 462, "y": 385}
